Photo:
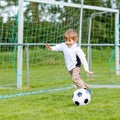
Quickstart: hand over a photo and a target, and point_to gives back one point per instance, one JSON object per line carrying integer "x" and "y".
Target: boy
{"x": 74, "y": 57}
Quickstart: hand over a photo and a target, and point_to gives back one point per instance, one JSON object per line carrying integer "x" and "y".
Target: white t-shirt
{"x": 70, "y": 54}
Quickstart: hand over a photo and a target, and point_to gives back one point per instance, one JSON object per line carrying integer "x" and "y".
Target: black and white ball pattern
{"x": 81, "y": 97}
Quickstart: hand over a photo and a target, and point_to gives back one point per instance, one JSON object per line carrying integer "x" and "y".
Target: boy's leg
{"x": 75, "y": 73}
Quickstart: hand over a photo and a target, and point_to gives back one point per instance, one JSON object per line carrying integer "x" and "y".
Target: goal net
{"x": 45, "y": 21}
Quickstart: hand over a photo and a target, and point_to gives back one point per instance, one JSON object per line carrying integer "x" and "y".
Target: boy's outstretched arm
{"x": 48, "y": 46}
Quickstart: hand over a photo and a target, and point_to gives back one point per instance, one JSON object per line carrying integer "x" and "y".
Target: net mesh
{"x": 45, "y": 23}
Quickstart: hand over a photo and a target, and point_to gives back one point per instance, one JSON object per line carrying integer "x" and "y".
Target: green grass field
{"x": 29, "y": 103}
{"x": 57, "y": 105}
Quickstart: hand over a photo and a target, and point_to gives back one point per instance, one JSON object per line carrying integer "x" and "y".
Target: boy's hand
{"x": 48, "y": 46}
{"x": 90, "y": 72}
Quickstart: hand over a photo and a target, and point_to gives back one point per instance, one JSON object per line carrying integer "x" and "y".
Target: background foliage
{"x": 34, "y": 14}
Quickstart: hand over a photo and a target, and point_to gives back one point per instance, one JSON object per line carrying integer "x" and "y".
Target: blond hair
{"x": 71, "y": 34}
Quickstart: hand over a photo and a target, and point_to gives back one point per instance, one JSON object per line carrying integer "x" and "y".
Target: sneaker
{"x": 89, "y": 91}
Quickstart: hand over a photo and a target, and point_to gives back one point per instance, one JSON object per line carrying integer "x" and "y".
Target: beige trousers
{"x": 75, "y": 74}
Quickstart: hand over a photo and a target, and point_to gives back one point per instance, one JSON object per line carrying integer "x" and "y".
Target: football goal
{"x": 44, "y": 21}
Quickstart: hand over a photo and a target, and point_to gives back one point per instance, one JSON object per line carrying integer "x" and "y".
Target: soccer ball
{"x": 81, "y": 97}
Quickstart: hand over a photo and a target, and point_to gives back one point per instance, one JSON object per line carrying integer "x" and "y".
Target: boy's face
{"x": 69, "y": 42}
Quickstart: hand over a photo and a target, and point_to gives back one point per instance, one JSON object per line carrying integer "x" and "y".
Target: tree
{"x": 35, "y": 12}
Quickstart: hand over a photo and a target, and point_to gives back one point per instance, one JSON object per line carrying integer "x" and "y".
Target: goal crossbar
{"x": 74, "y": 5}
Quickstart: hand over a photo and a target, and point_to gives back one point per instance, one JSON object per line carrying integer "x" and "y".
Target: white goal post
{"x": 69, "y": 4}
{"x": 20, "y": 41}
